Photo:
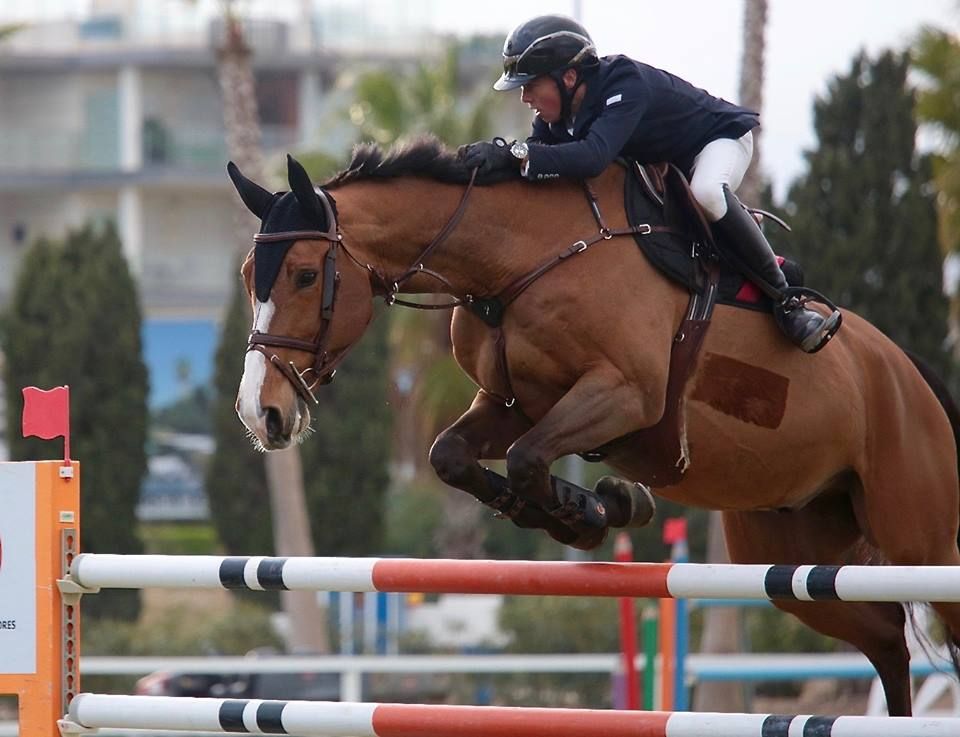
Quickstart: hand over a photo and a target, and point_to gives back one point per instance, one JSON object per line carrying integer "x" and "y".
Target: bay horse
{"x": 847, "y": 456}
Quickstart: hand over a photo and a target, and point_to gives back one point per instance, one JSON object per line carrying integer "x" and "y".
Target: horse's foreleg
{"x": 599, "y": 408}
{"x": 486, "y": 430}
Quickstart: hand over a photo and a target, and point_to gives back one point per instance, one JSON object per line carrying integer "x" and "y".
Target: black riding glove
{"x": 488, "y": 156}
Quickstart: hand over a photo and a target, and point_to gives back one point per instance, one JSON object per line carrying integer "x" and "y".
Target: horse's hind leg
{"x": 486, "y": 430}
{"x": 825, "y": 532}
{"x": 910, "y": 509}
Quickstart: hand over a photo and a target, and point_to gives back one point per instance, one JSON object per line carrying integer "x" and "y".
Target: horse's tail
{"x": 940, "y": 390}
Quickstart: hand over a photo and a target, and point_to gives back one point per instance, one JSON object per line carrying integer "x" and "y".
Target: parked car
{"x": 280, "y": 686}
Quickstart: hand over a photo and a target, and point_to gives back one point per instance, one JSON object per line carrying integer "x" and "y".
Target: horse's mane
{"x": 424, "y": 156}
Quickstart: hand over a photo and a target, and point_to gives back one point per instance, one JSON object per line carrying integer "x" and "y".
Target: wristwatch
{"x": 519, "y": 149}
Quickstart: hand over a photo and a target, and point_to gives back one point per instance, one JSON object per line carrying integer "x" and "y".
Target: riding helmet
{"x": 541, "y": 45}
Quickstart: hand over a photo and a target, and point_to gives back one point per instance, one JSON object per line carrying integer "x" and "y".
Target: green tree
{"x": 75, "y": 319}
{"x": 345, "y": 460}
{"x": 864, "y": 217}
{"x": 388, "y": 105}
{"x": 236, "y": 480}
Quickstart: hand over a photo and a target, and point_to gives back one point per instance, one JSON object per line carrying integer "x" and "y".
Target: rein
{"x": 489, "y": 309}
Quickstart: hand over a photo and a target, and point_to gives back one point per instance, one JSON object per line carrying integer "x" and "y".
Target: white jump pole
{"x": 334, "y": 719}
{"x": 540, "y": 578}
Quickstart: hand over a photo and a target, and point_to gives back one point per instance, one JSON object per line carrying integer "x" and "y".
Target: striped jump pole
{"x": 539, "y": 578}
{"x": 334, "y": 719}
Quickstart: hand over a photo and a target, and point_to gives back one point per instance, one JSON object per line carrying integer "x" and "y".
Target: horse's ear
{"x": 256, "y": 198}
{"x": 303, "y": 190}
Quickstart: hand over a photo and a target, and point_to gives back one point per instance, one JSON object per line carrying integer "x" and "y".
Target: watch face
{"x": 519, "y": 149}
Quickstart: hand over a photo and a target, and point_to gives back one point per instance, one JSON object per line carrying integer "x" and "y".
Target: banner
{"x": 18, "y": 570}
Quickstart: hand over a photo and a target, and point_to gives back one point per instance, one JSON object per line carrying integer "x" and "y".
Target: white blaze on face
{"x": 254, "y": 370}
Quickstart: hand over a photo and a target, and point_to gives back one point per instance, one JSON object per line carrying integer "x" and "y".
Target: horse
{"x": 847, "y": 456}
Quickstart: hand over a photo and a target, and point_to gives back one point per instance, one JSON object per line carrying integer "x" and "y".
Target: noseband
{"x": 324, "y": 365}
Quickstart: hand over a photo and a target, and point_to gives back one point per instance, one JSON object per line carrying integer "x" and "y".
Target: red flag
{"x": 46, "y": 414}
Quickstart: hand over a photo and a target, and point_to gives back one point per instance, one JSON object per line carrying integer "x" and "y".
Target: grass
{"x": 179, "y": 538}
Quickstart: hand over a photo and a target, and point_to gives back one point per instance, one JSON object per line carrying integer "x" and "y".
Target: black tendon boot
{"x": 805, "y": 328}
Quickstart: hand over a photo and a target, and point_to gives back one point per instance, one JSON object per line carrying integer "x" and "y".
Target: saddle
{"x": 661, "y": 191}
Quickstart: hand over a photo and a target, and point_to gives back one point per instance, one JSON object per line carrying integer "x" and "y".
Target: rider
{"x": 589, "y": 110}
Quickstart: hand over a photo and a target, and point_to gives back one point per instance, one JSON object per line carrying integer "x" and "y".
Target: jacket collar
{"x": 589, "y": 106}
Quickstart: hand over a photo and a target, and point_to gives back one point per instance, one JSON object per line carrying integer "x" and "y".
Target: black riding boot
{"x": 805, "y": 328}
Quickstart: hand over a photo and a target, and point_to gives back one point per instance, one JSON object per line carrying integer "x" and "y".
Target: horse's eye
{"x": 306, "y": 279}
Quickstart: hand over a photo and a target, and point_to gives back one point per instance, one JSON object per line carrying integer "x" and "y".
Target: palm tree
{"x": 723, "y": 626}
{"x": 291, "y": 522}
{"x": 937, "y": 54}
{"x": 751, "y": 87}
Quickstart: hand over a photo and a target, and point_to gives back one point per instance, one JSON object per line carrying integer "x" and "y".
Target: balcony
{"x": 96, "y": 150}
{"x": 187, "y": 149}
{"x": 33, "y": 150}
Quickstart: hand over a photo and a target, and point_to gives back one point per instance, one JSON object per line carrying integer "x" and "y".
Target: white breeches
{"x": 722, "y": 161}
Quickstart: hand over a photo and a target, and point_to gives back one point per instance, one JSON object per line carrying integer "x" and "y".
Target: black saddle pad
{"x": 672, "y": 253}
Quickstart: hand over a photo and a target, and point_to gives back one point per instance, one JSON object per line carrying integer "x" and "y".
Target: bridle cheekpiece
{"x": 324, "y": 365}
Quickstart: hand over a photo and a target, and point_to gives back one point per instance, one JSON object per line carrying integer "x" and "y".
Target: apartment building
{"x": 116, "y": 115}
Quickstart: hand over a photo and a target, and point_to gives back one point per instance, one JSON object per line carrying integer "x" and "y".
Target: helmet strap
{"x": 566, "y": 96}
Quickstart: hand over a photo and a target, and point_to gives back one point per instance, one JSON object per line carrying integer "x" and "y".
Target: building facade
{"x": 117, "y": 116}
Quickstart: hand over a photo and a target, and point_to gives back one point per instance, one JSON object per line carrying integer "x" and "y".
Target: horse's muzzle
{"x": 279, "y": 433}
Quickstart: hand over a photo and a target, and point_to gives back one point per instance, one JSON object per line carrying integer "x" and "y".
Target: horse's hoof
{"x": 628, "y": 504}
{"x": 577, "y": 507}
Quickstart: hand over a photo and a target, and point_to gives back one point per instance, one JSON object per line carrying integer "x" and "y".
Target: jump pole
{"x": 91, "y": 571}
{"x": 334, "y": 719}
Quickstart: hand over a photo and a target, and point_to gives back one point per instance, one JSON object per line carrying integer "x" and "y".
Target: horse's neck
{"x": 507, "y": 230}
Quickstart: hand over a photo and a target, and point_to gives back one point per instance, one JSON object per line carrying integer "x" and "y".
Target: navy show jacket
{"x": 636, "y": 110}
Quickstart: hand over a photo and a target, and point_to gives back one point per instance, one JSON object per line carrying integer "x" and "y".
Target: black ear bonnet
{"x": 281, "y": 212}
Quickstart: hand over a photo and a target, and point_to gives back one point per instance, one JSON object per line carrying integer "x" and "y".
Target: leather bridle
{"x": 325, "y": 363}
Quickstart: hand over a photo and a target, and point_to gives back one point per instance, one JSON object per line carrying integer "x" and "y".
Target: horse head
{"x": 309, "y": 305}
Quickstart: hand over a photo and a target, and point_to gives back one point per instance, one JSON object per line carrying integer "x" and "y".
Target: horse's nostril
{"x": 274, "y": 423}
